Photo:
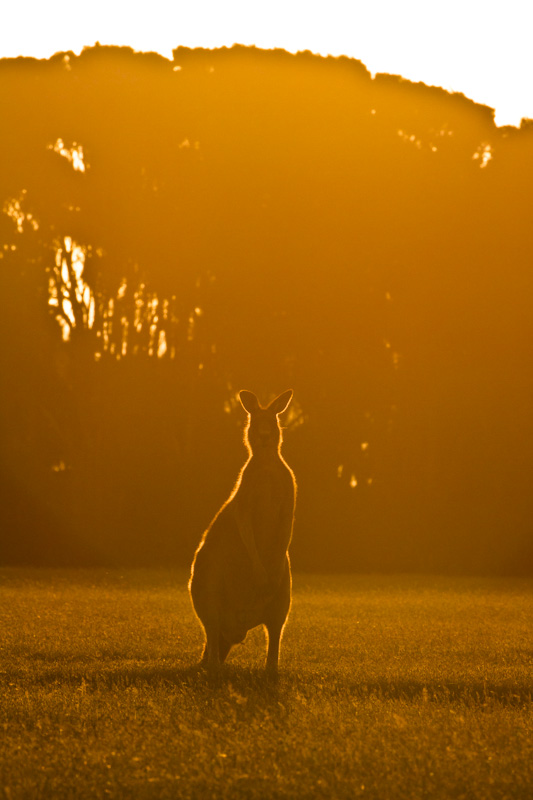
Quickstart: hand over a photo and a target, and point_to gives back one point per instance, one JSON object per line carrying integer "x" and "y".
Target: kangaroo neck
{"x": 265, "y": 458}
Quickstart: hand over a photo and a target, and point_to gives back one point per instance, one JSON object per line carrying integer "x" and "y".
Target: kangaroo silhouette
{"x": 241, "y": 575}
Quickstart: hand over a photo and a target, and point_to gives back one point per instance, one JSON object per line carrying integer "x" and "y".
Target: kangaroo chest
{"x": 264, "y": 487}
{"x": 265, "y": 495}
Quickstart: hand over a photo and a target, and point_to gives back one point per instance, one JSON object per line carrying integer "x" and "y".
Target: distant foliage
{"x": 173, "y": 231}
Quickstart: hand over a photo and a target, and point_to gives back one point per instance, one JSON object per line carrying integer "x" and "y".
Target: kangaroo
{"x": 241, "y": 575}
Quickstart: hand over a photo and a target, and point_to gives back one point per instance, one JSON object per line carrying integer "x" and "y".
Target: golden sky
{"x": 482, "y": 49}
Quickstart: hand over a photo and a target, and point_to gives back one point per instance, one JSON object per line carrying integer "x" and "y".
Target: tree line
{"x": 173, "y": 231}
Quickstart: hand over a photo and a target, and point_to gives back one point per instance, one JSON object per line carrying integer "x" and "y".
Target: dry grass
{"x": 390, "y": 687}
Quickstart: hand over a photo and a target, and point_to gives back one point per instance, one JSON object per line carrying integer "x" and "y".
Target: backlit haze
{"x": 479, "y": 49}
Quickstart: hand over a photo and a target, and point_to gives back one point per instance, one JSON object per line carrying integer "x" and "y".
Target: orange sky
{"x": 480, "y": 49}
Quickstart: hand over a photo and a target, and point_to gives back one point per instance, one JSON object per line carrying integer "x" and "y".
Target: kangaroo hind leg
{"x": 274, "y": 630}
{"x": 223, "y": 648}
{"x": 211, "y": 656}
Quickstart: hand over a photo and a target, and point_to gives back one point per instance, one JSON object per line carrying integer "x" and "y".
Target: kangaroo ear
{"x": 281, "y": 403}
{"x": 249, "y": 401}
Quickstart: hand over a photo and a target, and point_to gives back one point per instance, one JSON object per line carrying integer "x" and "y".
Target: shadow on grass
{"x": 250, "y": 681}
{"x": 119, "y": 677}
{"x": 470, "y": 693}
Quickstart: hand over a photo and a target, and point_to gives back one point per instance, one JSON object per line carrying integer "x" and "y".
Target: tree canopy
{"x": 174, "y": 231}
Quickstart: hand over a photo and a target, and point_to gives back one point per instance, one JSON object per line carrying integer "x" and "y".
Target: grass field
{"x": 390, "y": 687}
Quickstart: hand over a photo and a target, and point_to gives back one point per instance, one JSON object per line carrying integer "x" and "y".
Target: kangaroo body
{"x": 241, "y": 575}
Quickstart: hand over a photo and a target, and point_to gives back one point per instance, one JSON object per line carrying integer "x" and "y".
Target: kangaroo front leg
{"x": 276, "y": 618}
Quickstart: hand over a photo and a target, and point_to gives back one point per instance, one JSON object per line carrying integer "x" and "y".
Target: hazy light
{"x": 92, "y": 312}
{"x": 410, "y": 138}
{"x": 122, "y": 289}
{"x": 65, "y": 328}
{"x": 190, "y": 328}
{"x": 162, "y": 345}
{"x": 14, "y": 210}
{"x": 73, "y": 154}
{"x": 484, "y": 154}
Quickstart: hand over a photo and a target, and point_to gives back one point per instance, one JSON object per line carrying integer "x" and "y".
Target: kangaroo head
{"x": 263, "y": 432}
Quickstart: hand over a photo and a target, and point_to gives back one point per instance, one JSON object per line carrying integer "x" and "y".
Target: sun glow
{"x": 486, "y": 56}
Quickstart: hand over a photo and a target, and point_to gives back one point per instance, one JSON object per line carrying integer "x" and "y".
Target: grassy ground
{"x": 390, "y": 687}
